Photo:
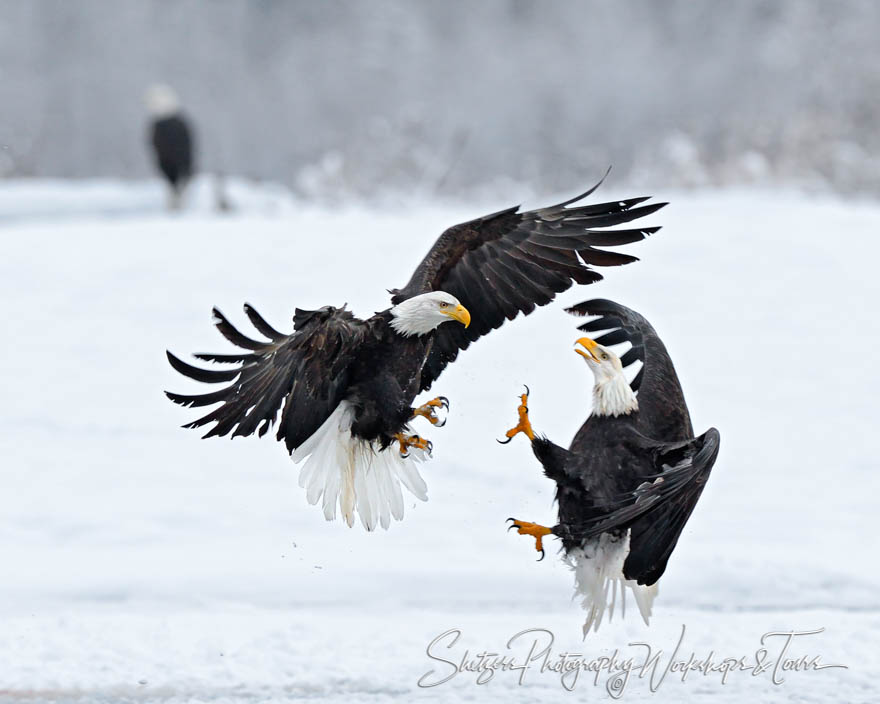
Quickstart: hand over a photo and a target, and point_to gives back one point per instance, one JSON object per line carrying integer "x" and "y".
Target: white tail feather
{"x": 598, "y": 568}
{"x": 355, "y": 474}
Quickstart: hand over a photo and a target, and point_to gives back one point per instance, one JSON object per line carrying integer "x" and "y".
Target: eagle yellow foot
{"x": 524, "y": 426}
{"x": 408, "y": 441}
{"x": 429, "y": 410}
{"x": 536, "y": 531}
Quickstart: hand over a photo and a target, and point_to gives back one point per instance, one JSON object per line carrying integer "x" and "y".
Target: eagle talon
{"x": 429, "y": 411}
{"x": 408, "y": 441}
{"x": 524, "y": 425}
{"x": 535, "y": 530}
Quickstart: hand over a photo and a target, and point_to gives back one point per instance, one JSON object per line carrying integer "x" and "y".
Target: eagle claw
{"x": 429, "y": 410}
{"x": 535, "y": 530}
{"x": 524, "y": 425}
{"x": 408, "y": 441}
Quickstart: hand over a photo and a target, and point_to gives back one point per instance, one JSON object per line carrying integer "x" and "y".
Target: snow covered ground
{"x": 140, "y": 563}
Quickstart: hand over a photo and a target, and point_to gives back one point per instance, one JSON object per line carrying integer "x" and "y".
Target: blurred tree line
{"x": 357, "y": 97}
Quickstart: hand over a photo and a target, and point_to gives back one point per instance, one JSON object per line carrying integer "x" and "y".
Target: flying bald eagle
{"x": 347, "y": 386}
{"x": 633, "y": 473}
{"x": 171, "y": 138}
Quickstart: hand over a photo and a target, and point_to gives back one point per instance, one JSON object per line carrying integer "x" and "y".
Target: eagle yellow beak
{"x": 459, "y": 313}
{"x": 590, "y": 346}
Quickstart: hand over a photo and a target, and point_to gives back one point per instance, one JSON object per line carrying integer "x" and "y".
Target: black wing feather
{"x": 510, "y": 262}
{"x": 305, "y": 372}
{"x": 261, "y": 325}
{"x": 231, "y": 333}
{"x": 209, "y": 376}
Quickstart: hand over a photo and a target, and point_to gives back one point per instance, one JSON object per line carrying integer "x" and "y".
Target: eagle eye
{"x": 443, "y": 305}
{"x": 604, "y": 356}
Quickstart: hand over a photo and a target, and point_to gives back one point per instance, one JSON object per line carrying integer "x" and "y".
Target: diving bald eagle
{"x": 347, "y": 385}
{"x": 171, "y": 138}
{"x": 633, "y": 474}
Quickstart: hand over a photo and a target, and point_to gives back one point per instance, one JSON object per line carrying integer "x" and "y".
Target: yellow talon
{"x": 535, "y": 530}
{"x": 408, "y": 441}
{"x": 524, "y": 425}
{"x": 428, "y": 410}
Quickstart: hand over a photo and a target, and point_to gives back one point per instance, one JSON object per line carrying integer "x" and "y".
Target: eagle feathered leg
{"x": 524, "y": 425}
{"x": 535, "y": 530}
{"x": 408, "y": 441}
{"x": 429, "y": 410}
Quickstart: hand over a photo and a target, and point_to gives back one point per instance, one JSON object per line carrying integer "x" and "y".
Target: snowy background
{"x": 139, "y": 563}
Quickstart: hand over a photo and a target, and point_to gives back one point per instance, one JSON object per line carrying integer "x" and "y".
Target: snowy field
{"x": 143, "y": 564}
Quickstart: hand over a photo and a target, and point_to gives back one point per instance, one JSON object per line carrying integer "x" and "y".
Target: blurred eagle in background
{"x": 172, "y": 141}
{"x": 345, "y": 386}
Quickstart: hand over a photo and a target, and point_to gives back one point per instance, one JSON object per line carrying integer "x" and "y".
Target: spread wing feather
{"x": 305, "y": 373}
{"x": 510, "y": 262}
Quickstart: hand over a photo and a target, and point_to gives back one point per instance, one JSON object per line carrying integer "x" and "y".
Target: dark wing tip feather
{"x": 231, "y": 333}
{"x": 265, "y": 377}
{"x": 595, "y": 306}
{"x": 198, "y": 400}
{"x": 615, "y": 337}
{"x": 586, "y": 193}
{"x": 601, "y": 257}
{"x": 208, "y": 376}
{"x": 259, "y": 322}
{"x": 603, "y": 214}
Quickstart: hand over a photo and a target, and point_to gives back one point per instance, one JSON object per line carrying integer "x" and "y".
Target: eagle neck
{"x": 614, "y": 397}
{"x": 408, "y": 320}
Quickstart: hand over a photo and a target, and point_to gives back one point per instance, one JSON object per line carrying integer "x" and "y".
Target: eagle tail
{"x": 357, "y": 476}
{"x": 598, "y": 570}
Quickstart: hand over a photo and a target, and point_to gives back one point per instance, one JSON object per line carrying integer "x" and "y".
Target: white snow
{"x": 141, "y": 563}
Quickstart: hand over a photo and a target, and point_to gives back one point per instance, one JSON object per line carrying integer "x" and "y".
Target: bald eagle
{"x": 347, "y": 386}
{"x": 172, "y": 141}
{"x": 633, "y": 473}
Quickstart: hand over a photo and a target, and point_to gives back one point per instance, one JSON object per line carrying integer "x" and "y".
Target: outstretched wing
{"x": 663, "y": 412}
{"x": 305, "y": 372}
{"x": 656, "y": 512}
{"x": 510, "y": 262}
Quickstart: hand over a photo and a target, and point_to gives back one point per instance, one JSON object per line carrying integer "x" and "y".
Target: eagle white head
{"x": 612, "y": 394}
{"x": 421, "y": 314}
{"x": 161, "y": 101}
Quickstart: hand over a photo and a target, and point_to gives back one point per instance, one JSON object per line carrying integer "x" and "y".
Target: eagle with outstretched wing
{"x": 345, "y": 387}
